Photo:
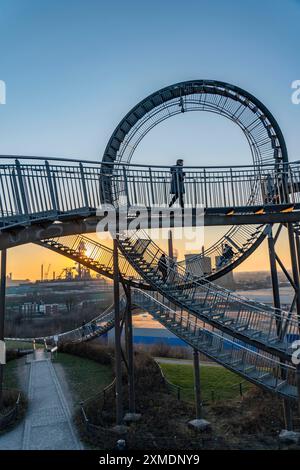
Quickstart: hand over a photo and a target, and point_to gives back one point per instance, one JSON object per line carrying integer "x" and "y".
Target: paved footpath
{"x": 48, "y": 424}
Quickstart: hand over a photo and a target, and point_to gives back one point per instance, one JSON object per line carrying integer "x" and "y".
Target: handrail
{"x": 101, "y": 393}
{"x": 181, "y": 283}
{"x": 138, "y": 165}
{"x": 218, "y": 335}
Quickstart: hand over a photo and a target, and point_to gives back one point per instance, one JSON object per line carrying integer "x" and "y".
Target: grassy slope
{"x": 21, "y": 345}
{"x": 11, "y": 375}
{"x": 85, "y": 377}
{"x": 223, "y": 382}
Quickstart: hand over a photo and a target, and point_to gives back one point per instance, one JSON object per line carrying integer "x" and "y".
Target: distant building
{"x": 227, "y": 281}
{"x": 34, "y": 309}
{"x": 10, "y": 282}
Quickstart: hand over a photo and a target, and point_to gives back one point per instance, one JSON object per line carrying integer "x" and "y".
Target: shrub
{"x": 90, "y": 350}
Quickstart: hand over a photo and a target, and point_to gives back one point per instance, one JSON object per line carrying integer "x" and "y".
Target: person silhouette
{"x": 162, "y": 266}
{"x": 177, "y": 183}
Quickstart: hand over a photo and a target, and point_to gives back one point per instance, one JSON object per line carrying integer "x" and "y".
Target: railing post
{"x": 2, "y": 315}
{"x": 85, "y": 194}
{"x": 232, "y": 187}
{"x": 51, "y": 186}
{"x": 118, "y": 353}
{"x": 126, "y": 185}
{"x": 16, "y": 192}
{"x": 21, "y": 186}
{"x": 151, "y": 186}
{"x": 205, "y": 188}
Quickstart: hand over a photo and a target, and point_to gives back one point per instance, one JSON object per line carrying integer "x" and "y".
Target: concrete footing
{"x": 289, "y": 437}
{"x": 199, "y": 425}
{"x": 120, "y": 429}
{"x": 132, "y": 417}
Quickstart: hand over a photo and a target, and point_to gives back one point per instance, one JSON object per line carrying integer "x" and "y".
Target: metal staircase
{"x": 264, "y": 370}
{"x": 93, "y": 255}
{"x": 256, "y": 324}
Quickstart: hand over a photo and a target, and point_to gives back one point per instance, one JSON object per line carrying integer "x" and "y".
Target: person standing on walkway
{"x": 162, "y": 267}
{"x": 177, "y": 183}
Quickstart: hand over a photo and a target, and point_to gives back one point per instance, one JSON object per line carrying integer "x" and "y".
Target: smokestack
{"x": 170, "y": 245}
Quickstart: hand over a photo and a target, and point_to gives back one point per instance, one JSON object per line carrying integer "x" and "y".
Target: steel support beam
{"x": 87, "y": 223}
{"x": 197, "y": 385}
{"x": 287, "y": 410}
{"x": 118, "y": 351}
{"x": 295, "y": 271}
{"x": 2, "y": 314}
{"x": 130, "y": 352}
{"x": 274, "y": 278}
{"x": 294, "y": 265}
{"x": 297, "y": 239}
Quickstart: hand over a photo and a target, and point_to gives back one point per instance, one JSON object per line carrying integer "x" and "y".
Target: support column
{"x": 130, "y": 353}
{"x": 297, "y": 240}
{"x": 274, "y": 277}
{"x": 296, "y": 283}
{"x": 294, "y": 268}
{"x": 2, "y": 313}
{"x": 197, "y": 386}
{"x": 287, "y": 411}
{"x": 118, "y": 353}
{"x": 170, "y": 246}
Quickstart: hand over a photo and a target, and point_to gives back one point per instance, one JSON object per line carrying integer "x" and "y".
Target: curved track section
{"x": 261, "y": 130}
{"x": 258, "y": 325}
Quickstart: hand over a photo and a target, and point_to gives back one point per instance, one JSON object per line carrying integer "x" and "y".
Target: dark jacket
{"x": 162, "y": 264}
{"x": 177, "y": 181}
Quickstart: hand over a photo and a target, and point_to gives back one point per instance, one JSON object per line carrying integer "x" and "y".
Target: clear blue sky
{"x": 73, "y": 68}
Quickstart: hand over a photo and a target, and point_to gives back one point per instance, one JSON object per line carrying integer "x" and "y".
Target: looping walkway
{"x": 48, "y": 424}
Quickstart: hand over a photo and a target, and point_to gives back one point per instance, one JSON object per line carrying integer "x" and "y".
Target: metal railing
{"x": 95, "y": 327}
{"x": 45, "y": 187}
{"x": 264, "y": 370}
{"x": 92, "y": 254}
{"x": 251, "y": 321}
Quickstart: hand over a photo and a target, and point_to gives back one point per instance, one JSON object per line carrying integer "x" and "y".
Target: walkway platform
{"x": 48, "y": 424}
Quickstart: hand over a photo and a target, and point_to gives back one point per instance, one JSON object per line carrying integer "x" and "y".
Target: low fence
{"x": 9, "y": 417}
{"x": 103, "y": 394}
